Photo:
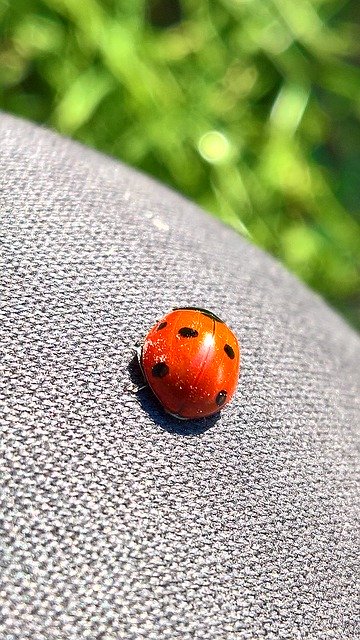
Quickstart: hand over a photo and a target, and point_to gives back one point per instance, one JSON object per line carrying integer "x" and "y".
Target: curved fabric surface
{"x": 116, "y": 521}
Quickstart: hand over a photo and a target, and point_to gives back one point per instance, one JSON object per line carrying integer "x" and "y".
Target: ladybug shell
{"x": 191, "y": 361}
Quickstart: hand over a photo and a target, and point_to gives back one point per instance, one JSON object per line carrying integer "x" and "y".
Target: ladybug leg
{"x": 134, "y": 389}
{"x": 138, "y": 350}
{"x": 137, "y": 384}
{"x": 144, "y": 386}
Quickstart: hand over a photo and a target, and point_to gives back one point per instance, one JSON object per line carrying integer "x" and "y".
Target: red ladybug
{"x": 191, "y": 360}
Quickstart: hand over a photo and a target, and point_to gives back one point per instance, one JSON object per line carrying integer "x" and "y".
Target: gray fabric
{"x": 118, "y": 521}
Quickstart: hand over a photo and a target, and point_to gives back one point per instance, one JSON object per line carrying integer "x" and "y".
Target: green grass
{"x": 249, "y": 107}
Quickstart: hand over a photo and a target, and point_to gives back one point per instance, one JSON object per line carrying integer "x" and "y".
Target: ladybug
{"x": 191, "y": 359}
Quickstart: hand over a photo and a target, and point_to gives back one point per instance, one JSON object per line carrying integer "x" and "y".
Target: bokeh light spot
{"x": 214, "y": 147}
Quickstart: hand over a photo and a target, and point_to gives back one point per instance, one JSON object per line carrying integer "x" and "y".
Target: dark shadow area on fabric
{"x": 152, "y": 406}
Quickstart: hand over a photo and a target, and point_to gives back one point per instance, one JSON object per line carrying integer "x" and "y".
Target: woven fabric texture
{"x": 117, "y": 521}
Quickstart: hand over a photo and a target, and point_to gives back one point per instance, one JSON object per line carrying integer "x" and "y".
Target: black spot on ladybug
{"x": 187, "y": 332}
{"x": 221, "y": 397}
{"x": 229, "y": 351}
{"x": 162, "y": 325}
{"x": 160, "y": 370}
{"x": 205, "y": 312}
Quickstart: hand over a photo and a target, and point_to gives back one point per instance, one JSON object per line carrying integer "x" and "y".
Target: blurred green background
{"x": 249, "y": 107}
